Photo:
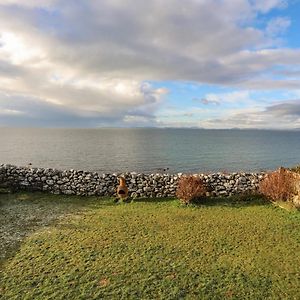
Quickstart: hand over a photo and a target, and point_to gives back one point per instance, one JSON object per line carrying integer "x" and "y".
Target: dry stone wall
{"x": 83, "y": 183}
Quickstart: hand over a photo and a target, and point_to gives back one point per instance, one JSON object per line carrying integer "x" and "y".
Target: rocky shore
{"x": 83, "y": 183}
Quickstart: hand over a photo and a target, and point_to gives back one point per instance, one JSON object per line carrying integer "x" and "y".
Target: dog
{"x": 122, "y": 190}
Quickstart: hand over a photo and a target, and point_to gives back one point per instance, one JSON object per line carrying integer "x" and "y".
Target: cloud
{"x": 291, "y": 109}
{"x": 5, "y": 112}
{"x": 28, "y": 3}
{"x": 230, "y": 97}
{"x": 277, "y": 26}
{"x": 284, "y": 115}
{"x": 92, "y": 61}
{"x": 267, "y": 5}
{"x": 75, "y": 107}
{"x": 146, "y": 41}
{"x": 18, "y": 51}
{"x": 8, "y": 70}
{"x": 206, "y": 101}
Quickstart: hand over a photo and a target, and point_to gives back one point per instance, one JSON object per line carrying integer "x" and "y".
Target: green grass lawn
{"x": 155, "y": 249}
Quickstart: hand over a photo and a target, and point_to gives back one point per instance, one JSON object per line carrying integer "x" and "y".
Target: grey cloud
{"x": 34, "y": 112}
{"x": 285, "y": 109}
{"x": 171, "y": 45}
{"x": 207, "y": 101}
{"x": 9, "y": 70}
{"x": 179, "y": 43}
{"x": 78, "y": 108}
{"x": 268, "y": 84}
{"x": 278, "y": 115}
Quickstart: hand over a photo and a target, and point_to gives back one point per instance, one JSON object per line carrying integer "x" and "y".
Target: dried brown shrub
{"x": 278, "y": 185}
{"x": 190, "y": 188}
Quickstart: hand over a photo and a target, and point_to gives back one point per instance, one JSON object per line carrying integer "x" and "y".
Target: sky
{"x": 131, "y": 63}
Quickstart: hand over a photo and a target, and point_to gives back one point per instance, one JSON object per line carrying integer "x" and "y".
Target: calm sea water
{"x": 150, "y": 150}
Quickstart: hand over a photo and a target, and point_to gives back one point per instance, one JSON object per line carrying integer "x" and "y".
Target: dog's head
{"x": 122, "y": 181}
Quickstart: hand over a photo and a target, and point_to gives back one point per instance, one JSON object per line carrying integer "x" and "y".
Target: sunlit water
{"x": 150, "y": 150}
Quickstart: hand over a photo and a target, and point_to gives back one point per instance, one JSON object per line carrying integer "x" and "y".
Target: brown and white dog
{"x": 122, "y": 190}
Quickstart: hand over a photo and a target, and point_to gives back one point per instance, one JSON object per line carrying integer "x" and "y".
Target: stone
{"x": 68, "y": 192}
{"x": 222, "y": 193}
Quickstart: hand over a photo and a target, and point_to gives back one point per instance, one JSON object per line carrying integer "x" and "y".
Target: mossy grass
{"x": 156, "y": 249}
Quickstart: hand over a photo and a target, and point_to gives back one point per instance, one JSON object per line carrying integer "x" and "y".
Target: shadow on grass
{"x": 233, "y": 201}
{"x": 24, "y": 213}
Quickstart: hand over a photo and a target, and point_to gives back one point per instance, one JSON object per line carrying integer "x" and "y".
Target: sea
{"x": 148, "y": 150}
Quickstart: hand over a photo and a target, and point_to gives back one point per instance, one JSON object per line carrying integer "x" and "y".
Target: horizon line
{"x": 150, "y": 127}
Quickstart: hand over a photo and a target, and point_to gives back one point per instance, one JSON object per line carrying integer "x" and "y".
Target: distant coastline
{"x": 147, "y": 127}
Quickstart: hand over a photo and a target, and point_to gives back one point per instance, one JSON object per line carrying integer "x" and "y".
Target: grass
{"x": 22, "y": 214}
{"x": 222, "y": 249}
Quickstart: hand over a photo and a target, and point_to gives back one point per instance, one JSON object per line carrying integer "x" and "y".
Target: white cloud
{"x": 10, "y": 112}
{"x": 94, "y": 59}
{"x": 231, "y": 97}
{"x": 265, "y": 6}
{"x": 18, "y": 51}
{"x": 277, "y": 26}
